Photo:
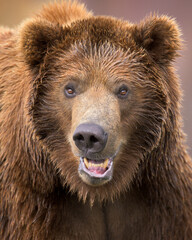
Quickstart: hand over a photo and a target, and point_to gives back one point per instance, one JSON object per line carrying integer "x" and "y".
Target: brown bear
{"x": 91, "y": 145}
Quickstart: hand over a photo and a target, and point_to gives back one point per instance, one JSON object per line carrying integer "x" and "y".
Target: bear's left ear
{"x": 160, "y": 36}
{"x": 36, "y": 37}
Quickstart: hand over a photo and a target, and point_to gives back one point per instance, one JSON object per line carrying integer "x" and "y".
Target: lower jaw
{"x": 95, "y": 179}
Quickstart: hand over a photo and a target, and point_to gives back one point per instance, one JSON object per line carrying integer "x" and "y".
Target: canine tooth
{"x": 105, "y": 164}
{"x": 86, "y": 162}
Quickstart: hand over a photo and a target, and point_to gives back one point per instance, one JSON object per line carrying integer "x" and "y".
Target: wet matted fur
{"x": 42, "y": 195}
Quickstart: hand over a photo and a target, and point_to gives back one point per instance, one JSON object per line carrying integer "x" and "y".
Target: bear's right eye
{"x": 69, "y": 91}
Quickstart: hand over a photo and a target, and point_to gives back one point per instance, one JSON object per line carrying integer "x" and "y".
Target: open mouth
{"x": 96, "y": 172}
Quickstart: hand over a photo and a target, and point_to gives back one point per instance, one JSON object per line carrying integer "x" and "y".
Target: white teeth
{"x": 96, "y": 165}
{"x": 106, "y": 163}
{"x": 86, "y": 162}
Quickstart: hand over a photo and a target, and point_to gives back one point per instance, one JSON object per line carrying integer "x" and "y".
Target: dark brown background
{"x": 12, "y": 12}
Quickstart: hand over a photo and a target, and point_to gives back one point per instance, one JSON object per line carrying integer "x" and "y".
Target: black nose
{"x": 90, "y": 138}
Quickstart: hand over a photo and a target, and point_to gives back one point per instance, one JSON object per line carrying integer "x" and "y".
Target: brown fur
{"x": 41, "y": 193}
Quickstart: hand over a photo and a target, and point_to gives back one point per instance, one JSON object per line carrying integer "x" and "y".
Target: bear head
{"x": 100, "y": 96}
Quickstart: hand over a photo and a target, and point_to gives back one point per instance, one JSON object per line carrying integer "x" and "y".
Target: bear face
{"x": 100, "y": 97}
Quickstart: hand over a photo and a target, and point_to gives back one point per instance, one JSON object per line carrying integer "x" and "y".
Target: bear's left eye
{"x": 69, "y": 91}
{"x": 123, "y": 92}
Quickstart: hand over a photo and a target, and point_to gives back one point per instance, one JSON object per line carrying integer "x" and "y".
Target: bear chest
{"x": 112, "y": 221}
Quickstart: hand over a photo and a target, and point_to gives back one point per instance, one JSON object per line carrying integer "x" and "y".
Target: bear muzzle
{"x": 91, "y": 140}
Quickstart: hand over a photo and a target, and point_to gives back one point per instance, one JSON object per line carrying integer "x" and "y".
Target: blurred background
{"x": 12, "y": 12}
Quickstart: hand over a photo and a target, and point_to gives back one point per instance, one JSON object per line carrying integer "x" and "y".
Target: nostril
{"x": 79, "y": 138}
{"x": 93, "y": 139}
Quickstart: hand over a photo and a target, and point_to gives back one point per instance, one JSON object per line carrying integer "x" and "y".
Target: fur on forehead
{"x": 158, "y": 36}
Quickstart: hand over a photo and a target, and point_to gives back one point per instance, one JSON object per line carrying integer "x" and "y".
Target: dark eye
{"x": 69, "y": 91}
{"x": 123, "y": 92}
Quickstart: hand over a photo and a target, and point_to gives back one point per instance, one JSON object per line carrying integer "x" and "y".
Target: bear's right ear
{"x": 36, "y": 37}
